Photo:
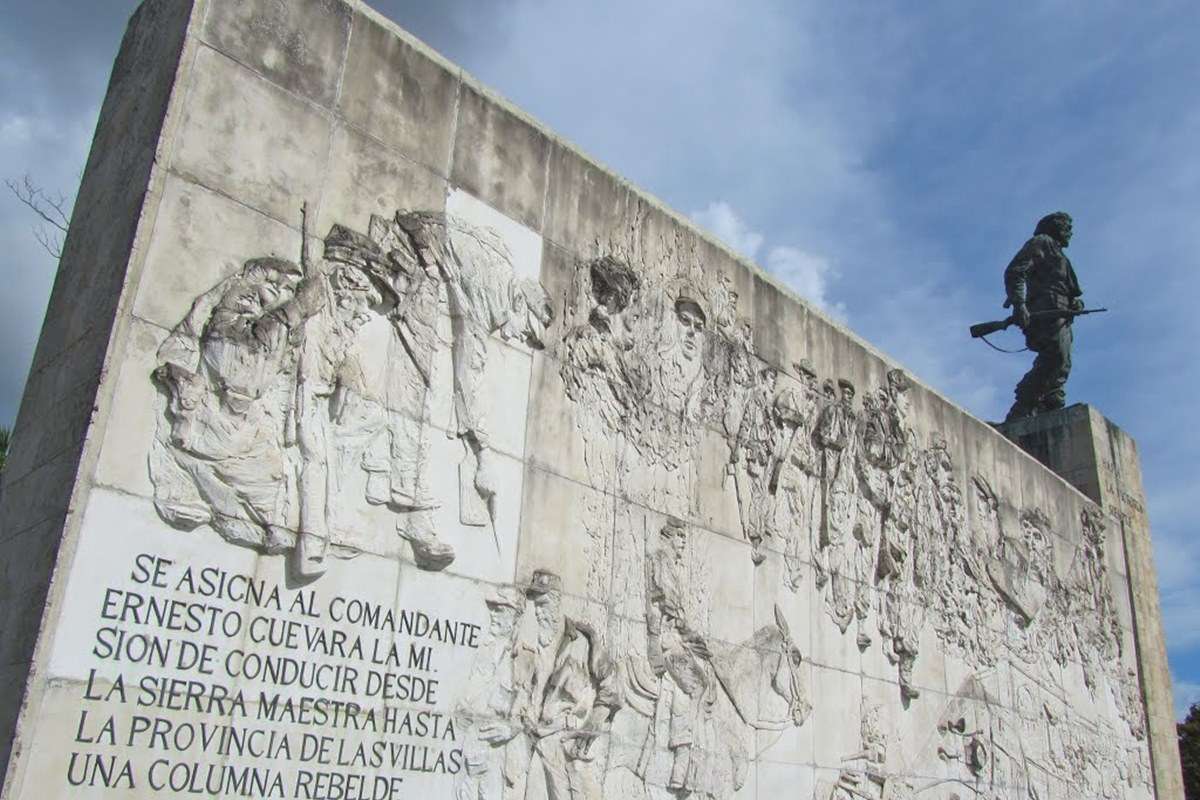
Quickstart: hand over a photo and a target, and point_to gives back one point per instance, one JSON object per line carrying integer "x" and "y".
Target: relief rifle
{"x": 305, "y": 261}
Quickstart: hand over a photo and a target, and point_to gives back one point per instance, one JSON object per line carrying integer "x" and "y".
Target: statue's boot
{"x": 430, "y": 552}
{"x": 907, "y": 690}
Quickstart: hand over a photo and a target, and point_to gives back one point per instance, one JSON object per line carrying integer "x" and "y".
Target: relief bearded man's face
{"x": 262, "y": 287}
{"x": 355, "y": 296}
{"x": 547, "y": 610}
{"x": 503, "y": 619}
{"x": 249, "y": 298}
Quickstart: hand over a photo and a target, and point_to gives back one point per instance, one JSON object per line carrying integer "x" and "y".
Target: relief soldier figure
{"x": 566, "y": 695}
{"x": 1040, "y": 278}
{"x": 680, "y": 659}
{"x": 276, "y": 404}
{"x": 796, "y": 475}
{"x": 596, "y": 356}
{"x": 900, "y": 613}
{"x": 491, "y": 735}
{"x": 865, "y": 775}
{"x": 751, "y": 459}
{"x": 834, "y": 561}
{"x": 227, "y": 369}
{"x": 675, "y": 412}
{"x": 435, "y": 256}
{"x": 333, "y": 412}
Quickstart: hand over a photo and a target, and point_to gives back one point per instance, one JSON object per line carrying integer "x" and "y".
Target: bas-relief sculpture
{"x": 1037, "y": 747}
{"x": 696, "y": 706}
{"x": 677, "y": 716}
{"x": 839, "y": 486}
{"x": 297, "y": 390}
{"x": 543, "y": 697}
{"x": 299, "y": 394}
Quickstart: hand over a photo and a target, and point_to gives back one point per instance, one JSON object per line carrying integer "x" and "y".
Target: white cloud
{"x": 723, "y": 222}
{"x": 803, "y": 272}
{"x": 807, "y": 274}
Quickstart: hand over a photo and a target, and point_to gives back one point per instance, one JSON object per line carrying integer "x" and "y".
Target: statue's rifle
{"x": 982, "y": 330}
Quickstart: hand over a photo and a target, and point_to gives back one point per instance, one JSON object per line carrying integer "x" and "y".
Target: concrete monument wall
{"x": 381, "y": 445}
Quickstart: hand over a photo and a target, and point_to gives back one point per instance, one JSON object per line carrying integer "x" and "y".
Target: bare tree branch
{"x": 53, "y": 211}
{"x": 50, "y": 242}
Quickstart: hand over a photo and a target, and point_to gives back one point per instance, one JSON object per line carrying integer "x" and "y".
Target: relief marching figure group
{"x": 833, "y": 483}
{"x": 278, "y": 402}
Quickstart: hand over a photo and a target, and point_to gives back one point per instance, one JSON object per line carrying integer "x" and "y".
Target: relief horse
{"x": 752, "y": 687}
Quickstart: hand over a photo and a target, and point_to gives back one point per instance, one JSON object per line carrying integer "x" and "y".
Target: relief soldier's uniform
{"x": 494, "y": 748}
{"x": 674, "y": 649}
{"x": 226, "y": 367}
{"x": 1041, "y": 278}
{"x": 796, "y": 475}
{"x": 566, "y": 695}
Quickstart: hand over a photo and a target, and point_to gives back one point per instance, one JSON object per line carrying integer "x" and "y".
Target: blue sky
{"x": 885, "y": 159}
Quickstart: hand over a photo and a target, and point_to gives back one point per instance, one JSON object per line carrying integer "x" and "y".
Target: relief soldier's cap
{"x": 689, "y": 296}
{"x": 506, "y": 597}
{"x": 541, "y": 582}
{"x": 845, "y": 384}
{"x": 281, "y": 265}
{"x": 673, "y": 527}
{"x": 804, "y": 367}
{"x": 350, "y": 247}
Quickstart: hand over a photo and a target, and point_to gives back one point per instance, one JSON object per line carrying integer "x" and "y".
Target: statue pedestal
{"x": 1101, "y": 461}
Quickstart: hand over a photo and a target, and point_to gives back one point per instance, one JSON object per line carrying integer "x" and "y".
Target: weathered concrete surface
{"x": 1101, "y": 460}
{"x": 506, "y": 391}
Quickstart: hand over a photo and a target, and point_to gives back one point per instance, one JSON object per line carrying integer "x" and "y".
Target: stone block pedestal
{"x": 1099, "y": 459}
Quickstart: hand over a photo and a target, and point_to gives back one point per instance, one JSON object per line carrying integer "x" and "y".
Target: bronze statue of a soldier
{"x": 1040, "y": 285}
